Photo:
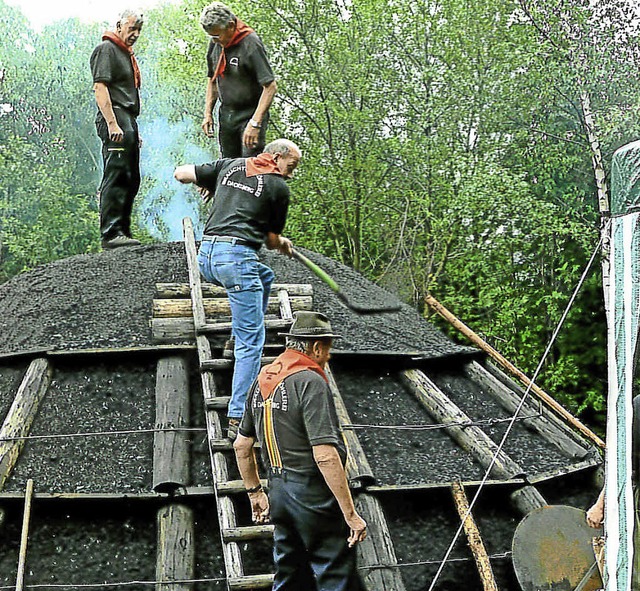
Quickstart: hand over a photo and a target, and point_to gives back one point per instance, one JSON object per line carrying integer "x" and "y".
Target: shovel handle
{"x": 320, "y": 273}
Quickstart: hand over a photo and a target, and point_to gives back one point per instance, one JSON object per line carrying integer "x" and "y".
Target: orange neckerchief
{"x": 262, "y": 164}
{"x": 242, "y": 30}
{"x": 286, "y": 364}
{"x": 122, "y": 45}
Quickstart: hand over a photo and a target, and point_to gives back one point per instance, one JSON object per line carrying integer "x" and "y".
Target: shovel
{"x": 553, "y": 551}
{"x": 323, "y": 276}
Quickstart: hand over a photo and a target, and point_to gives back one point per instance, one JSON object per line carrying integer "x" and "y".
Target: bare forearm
{"x": 103, "y": 100}
{"x": 210, "y": 98}
{"x": 266, "y": 98}
{"x": 330, "y": 466}
{"x": 246, "y": 459}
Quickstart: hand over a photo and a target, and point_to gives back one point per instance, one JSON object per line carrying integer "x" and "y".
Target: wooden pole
{"x": 181, "y": 308}
{"x": 24, "y": 538}
{"x": 171, "y": 448}
{"x": 175, "y": 557}
{"x": 22, "y": 414}
{"x": 512, "y": 369}
{"x": 474, "y": 538}
{"x": 471, "y": 438}
{"x": 377, "y": 549}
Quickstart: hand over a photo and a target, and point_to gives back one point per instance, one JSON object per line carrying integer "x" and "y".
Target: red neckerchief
{"x": 242, "y": 30}
{"x": 137, "y": 79}
{"x": 286, "y": 364}
{"x": 262, "y": 164}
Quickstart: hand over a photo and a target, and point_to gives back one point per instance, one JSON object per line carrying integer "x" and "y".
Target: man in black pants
{"x": 240, "y": 76}
{"x": 290, "y": 411}
{"x": 116, "y": 79}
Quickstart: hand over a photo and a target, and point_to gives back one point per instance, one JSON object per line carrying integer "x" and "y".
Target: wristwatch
{"x": 255, "y": 123}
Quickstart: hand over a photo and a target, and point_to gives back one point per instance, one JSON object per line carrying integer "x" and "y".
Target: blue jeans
{"x": 248, "y": 284}
{"x": 310, "y": 536}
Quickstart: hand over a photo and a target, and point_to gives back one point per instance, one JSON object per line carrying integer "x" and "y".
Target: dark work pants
{"x": 310, "y": 531}
{"x": 231, "y": 128}
{"x": 121, "y": 175}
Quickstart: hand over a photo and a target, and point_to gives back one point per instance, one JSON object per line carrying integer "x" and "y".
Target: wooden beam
{"x": 209, "y": 290}
{"x": 512, "y": 369}
{"x": 473, "y": 538}
{"x": 195, "y": 287}
{"x": 358, "y": 469}
{"x": 545, "y": 423}
{"x": 175, "y": 555}
{"x": 171, "y": 448}
{"x": 377, "y": 549}
{"x": 248, "y": 532}
{"x": 24, "y": 538}
{"x": 22, "y": 414}
{"x": 174, "y": 308}
{"x": 170, "y": 330}
{"x": 471, "y": 438}
{"x": 218, "y": 364}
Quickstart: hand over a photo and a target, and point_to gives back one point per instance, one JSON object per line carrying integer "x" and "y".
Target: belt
{"x": 231, "y": 239}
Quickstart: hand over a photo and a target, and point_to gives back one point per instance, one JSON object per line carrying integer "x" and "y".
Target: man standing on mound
{"x": 240, "y": 77}
{"x": 116, "y": 84}
{"x": 249, "y": 209}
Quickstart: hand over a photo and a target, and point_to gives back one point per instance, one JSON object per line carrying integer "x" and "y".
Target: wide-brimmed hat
{"x": 310, "y": 325}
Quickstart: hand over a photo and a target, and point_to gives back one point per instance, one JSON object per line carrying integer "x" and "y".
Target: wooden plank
{"x": 195, "y": 288}
{"x": 545, "y": 423}
{"x": 513, "y": 370}
{"x": 471, "y": 438}
{"x": 175, "y": 554}
{"x": 233, "y": 487}
{"x": 209, "y": 290}
{"x": 246, "y": 533}
{"x": 146, "y": 496}
{"x": 286, "y": 306}
{"x": 173, "y": 348}
{"x": 250, "y": 582}
{"x": 474, "y": 539}
{"x": 358, "y": 469}
{"x": 174, "y": 308}
{"x": 377, "y": 549}
{"x": 589, "y": 463}
{"x": 393, "y": 488}
{"x": 22, "y": 414}
{"x": 218, "y": 403}
{"x": 171, "y": 448}
{"x": 24, "y": 538}
{"x": 170, "y": 330}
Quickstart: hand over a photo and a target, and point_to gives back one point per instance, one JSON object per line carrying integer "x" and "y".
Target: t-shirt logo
{"x": 235, "y": 62}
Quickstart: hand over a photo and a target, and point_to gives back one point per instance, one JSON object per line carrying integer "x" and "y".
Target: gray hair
{"x": 297, "y": 344}
{"x": 128, "y": 13}
{"x": 216, "y": 15}
{"x": 282, "y": 146}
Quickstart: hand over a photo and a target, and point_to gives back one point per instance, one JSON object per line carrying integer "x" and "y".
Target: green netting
{"x": 625, "y": 179}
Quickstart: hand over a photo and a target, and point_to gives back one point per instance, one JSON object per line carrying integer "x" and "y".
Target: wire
{"x": 103, "y": 433}
{"x": 520, "y": 405}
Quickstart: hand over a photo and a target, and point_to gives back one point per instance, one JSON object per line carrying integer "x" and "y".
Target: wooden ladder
{"x": 215, "y": 406}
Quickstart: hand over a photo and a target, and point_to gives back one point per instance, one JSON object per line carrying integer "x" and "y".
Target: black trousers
{"x": 310, "y": 537}
{"x": 121, "y": 175}
{"x": 232, "y": 124}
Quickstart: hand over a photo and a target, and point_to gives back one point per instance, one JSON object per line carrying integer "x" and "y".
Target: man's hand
{"x": 358, "y": 529}
{"x": 250, "y": 136}
{"x": 259, "y": 507}
{"x": 207, "y": 126}
{"x": 285, "y": 247}
{"x": 115, "y": 132}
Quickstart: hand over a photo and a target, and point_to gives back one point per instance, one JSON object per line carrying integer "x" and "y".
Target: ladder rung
{"x": 249, "y": 532}
{"x": 217, "y": 403}
{"x": 215, "y": 364}
{"x": 216, "y": 327}
{"x": 220, "y": 444}
{"x": 232, "y": 487}
{"x": 250, "y": 582}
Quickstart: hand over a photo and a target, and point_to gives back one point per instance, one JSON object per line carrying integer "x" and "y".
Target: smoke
{"x": 163, "y": 202}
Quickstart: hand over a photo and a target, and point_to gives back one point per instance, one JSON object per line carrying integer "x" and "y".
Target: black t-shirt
{"x": 303, "y": 415}
{"x": 112, "y": 65}
{"x": 244, "y": 207}
{"x": 246, "y": 72}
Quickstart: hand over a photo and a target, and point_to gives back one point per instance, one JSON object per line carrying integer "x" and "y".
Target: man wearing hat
{"x": 290, "y": 411}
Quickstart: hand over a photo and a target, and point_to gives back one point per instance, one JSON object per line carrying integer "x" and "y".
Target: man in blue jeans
{"x": 249, "y": 199}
